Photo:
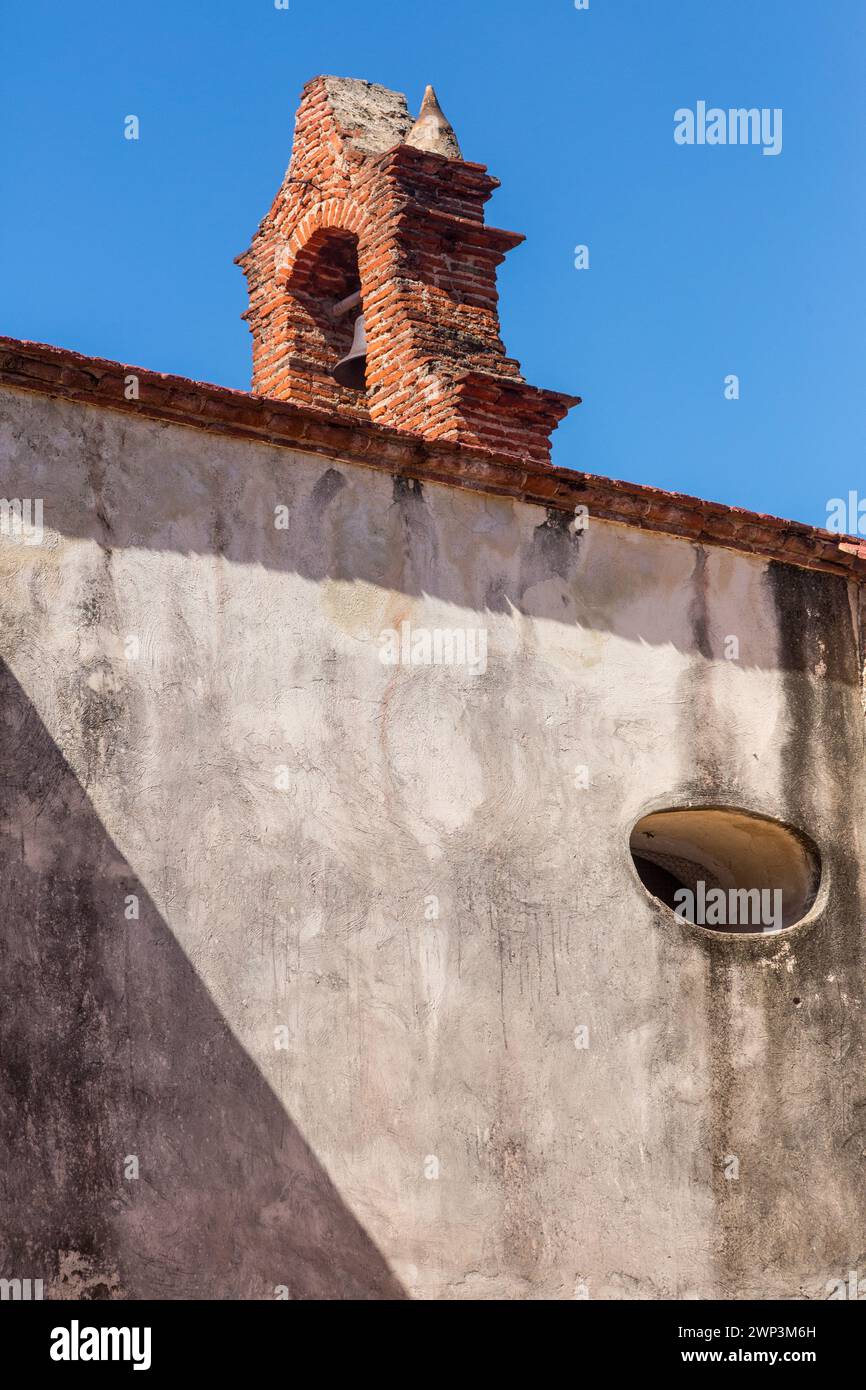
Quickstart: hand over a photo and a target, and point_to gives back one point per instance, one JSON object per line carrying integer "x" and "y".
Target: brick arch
{"x": 318, "y": 268}
{"x": 338, "y": 214}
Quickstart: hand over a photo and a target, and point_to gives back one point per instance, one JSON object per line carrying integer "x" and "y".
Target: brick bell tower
{"x": 380, "y": 215}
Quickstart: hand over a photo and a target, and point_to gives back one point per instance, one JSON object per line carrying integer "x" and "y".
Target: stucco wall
{"x": 410, "y": 1039}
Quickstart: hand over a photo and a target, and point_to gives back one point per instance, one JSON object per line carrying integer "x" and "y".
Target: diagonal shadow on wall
{"x": 111, "y": 1047}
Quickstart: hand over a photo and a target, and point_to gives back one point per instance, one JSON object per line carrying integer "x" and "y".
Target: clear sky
{"x": 704, "y": 261}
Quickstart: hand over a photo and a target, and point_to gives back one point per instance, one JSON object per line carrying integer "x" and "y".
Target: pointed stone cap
{"x": 432, "y": 131}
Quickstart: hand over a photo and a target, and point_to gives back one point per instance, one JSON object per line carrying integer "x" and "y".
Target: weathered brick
{"x": 360, "y": 208}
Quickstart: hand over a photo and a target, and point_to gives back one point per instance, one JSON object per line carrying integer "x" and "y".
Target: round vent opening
{"x": 726, "y": 870}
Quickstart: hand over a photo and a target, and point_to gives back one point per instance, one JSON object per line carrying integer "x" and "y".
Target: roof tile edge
{"x": 60, "y": 372}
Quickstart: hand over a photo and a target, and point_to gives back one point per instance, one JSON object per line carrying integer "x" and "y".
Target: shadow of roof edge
{"x": 68, "y": 375}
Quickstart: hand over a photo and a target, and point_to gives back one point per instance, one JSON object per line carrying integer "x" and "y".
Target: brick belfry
{"x": 383, "y": 207}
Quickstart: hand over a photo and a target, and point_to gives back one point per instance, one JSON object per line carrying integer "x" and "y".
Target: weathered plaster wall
{"x": 408, "y": 1039}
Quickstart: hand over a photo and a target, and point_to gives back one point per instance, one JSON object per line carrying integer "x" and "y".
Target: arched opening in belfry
{"x": 325, "y": 286}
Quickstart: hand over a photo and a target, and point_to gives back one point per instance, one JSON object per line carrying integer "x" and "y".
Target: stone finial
{"x": 432, "y": 131}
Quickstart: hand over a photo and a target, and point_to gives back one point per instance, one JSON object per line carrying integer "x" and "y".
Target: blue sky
{"x": 704, "y": 261}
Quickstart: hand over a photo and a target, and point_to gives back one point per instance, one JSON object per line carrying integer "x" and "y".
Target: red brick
{"x": 410, "y": 225}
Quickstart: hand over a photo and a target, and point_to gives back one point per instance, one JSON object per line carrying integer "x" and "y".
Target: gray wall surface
{"x": 377, "y": 901}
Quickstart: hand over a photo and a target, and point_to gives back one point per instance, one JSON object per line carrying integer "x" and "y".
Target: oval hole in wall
{"x": 727, "y": 870}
